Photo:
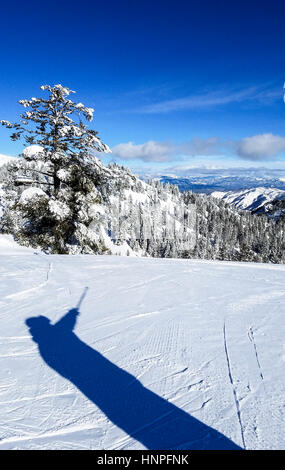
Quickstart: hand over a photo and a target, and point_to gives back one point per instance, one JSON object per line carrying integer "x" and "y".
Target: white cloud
{"x": 153, "y": 151}
{"x": 255, "y": 148}
{"x": 149, "y": 151}
{"x": 261, "y": 147}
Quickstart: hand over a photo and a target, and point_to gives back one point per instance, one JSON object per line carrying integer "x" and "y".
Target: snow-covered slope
{"x": 164, "y": 354}
{"x": 124, "y": 214}
{"x": 251, "y": 199}
{"x": 8, "y": 246}
{"x": 4, "y": 159}
{"x": 137, "y": 218}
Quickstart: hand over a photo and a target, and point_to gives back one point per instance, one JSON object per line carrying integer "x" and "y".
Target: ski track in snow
{"x": 161, "y": 321}
{"x": 251, "y": 338}
{"x": 237, "y": 403}
{"x": 32, "y": 289}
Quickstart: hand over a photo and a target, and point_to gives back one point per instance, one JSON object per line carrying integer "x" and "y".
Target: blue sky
{"x": 173, "y": 83}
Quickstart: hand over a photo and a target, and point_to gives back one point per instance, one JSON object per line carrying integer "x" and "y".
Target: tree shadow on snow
{"x": 143, "y": 415}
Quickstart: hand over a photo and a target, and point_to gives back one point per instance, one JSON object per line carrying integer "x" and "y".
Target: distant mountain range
{"x": 209, "y": 183}
{"x": 269, "y": 201}
{"x": 263, "y": 192}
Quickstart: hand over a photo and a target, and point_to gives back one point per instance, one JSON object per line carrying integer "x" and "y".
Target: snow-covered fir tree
{"x": 58, "y": 172}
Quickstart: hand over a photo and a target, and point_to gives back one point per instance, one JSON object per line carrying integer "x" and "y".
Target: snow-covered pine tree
{"x": 51, "y": 189}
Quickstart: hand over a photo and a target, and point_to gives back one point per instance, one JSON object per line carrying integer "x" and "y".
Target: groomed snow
{"x": 207, "y": 338}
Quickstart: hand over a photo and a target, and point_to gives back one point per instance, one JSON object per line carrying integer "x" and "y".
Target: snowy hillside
{"x": 136, "y": 218}
{"x": 8, "y": 246}
{"x": 4, "y": 159}
{"x": 251, "y": 199}
{"x": 165, "y": 353}
{"x": 123, "y": 215}
{"x": 270, "y": 201}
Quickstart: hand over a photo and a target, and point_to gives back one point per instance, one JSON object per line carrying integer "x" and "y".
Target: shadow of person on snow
{"x": 143, "y": 415}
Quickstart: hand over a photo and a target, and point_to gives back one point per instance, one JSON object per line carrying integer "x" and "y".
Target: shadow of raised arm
{"x": 68, "y": 321}
{"x": 139, "y": 412}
